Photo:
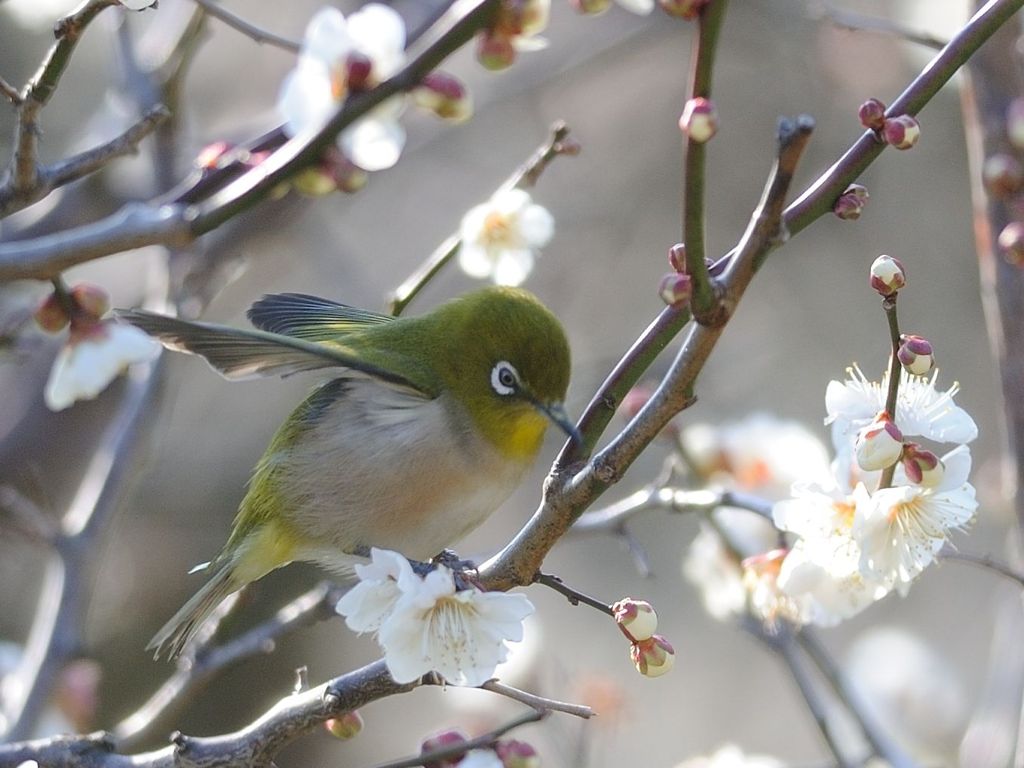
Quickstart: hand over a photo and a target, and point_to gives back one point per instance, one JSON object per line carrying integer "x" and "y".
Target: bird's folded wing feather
{"x": 240, "y": 354}
{"x": 310, "y": 317}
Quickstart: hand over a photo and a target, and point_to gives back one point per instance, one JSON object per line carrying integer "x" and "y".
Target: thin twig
{"x": 704, "y": 300}
{"x": 538, "y": 702}
{"x": 574, "y": 596}
{"x": 948, "y": 552}
{"x": 10, "y": 92}
{"x": 895, "y": 368}
{"x": 25, "y": 517}
{"x": 857, "y": 22}
{"x": 206, "y": 661}
{"x": 812, "y": 694}
{"x": 881, "y": 744}
{"x": 524, "y": 177}
{"x": 441, "y": 754}
{"x": 219, "y": 12}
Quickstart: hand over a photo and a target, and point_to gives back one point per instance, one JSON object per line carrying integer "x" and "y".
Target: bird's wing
{"x": 240, "y": 354}
{"x": 310, "y": 317}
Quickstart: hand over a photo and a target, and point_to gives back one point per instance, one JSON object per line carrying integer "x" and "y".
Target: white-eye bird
{"x": 426, "y": 428}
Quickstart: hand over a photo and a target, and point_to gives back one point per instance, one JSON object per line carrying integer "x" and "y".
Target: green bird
{"x": 426, "y": 428}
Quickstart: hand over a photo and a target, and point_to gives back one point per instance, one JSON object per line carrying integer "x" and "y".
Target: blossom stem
{"x": 704, "y": 299}
{"x": 525, "y": 176}
{"x": 575, "y": 597}
{"x": 889, "y": 305}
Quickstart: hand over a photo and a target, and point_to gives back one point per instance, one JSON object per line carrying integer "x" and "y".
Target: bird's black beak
{"x": 556, "y": 412}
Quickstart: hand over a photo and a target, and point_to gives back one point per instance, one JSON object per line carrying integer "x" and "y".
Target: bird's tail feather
{"x": 177, "y": 633}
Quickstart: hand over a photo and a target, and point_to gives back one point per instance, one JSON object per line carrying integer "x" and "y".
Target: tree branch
{"x": 219, "y": 12}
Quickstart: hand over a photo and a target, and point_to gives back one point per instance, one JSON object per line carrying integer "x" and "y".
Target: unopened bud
{"x": 443, "y": 740}
{"x": 91, "y": 300}
{"x": 446, "y": 96}
{"x": 591, "y": 7}
{"x": 517, "y": 754}
{"x": 1011, "y": 243}
{"x": 495, "y": 51}
{"x": 1002, "y": 175}
{"x": 879, "y": 444}
{"x": 1015, "y": 122}
{"x": 345, "y": 726}
{"x": 901, "y": 132}
{"x": 636, "y": 619}
{"x": 699, "y": 120}
{"x": 915, "y": 354}
{"x": 314, "y": 182}
{"x": 887, "y": 275}
{"x": 851, "y": 203}
{"x": 51, "y": 315}
{"x": 675, "y": 289}
{"x": 922, "y": 466}
{"x": 683, "y": 9}
{"x": 652, "y": 657}
{"x": 677, "y": 257}
{"x": 872, "y": 114}
{"x": 358, "y": 68}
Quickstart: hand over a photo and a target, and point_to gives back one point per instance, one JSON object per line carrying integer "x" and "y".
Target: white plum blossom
{"x": 313, "y": 92}
{"x": 424, "y": 624}
{"x": 639, "y": 7}
{"x": 481, "y": 758}
{"x": 137, "y": 5}
{"x": 901, "y": 529}
{"x": 500, "y": 237}
{"x": 822, "y": 569}
{"x": 370, "y": 602}
{"x": 94, "y": 355}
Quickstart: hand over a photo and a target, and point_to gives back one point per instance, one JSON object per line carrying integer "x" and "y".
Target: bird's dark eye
{"x": 504, "y": 378}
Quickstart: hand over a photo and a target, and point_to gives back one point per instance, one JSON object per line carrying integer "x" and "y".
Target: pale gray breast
{"x": 387, "y": 468}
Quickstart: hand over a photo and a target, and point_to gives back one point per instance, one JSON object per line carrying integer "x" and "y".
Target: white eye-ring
{"x": 504, "y": 378}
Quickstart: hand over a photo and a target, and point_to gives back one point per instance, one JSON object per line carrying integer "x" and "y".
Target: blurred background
{"x": 618, "y": 80}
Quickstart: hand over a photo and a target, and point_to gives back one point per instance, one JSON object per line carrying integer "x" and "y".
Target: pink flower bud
{"x": 345, "y": 726}
{"x": 851, "y": 203}
{"x": 872, "y": 114}
{"x": 636, "y": 619}
{"x": 446, "y": 96}
{"x": 92, "y": 300}
{"x": 443, "y": 740}
{"x": 652, "y": 657}
{"x": 591, "y": 7}
{"x": 901, "y": 132}
{"x": 1011, "y": 243}
{"x": 51, "y": 314}
{"x": 495, "y": 51}
{"x": 677, "y": 257}
{"x": 1015, "y": 122}
{"x": 922, "y": 466}
{"x": 887, "y": 275}
{"x": 77, "y": 695}
{"x": 635, "y": 399}
{"x": 699, "y": 120}
{"x": 1002, "y": 175}
{"x": 683, "y": 9}
{"x": 915, "y": 354}
{"x": 675, "y": 289}
{"x": 879, "y": 444}
{"x": 517, "y": 754}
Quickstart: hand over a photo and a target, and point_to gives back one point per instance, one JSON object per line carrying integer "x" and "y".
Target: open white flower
{"x": 137, "y": 5}
{"x": 459, "y": 634}
{"x": 370, "y": 602}
{"x": 481, "y": 758}
{"x": 501, "y": 236}
{"x": 731, "y": 756}
{"x": 319, "y": 84}
{"x": 92, "y": 358}
{"x": 822, "y": 569}
{"x": 901, "y": 529}
{"x": 639, "y": 7}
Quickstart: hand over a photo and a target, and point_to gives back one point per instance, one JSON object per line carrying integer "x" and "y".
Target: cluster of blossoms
{"x": 651, "y": 653}
{"x": 426, "y": 624}
{"x": 877, "y": 520}
{"x": 97, "y": 350}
